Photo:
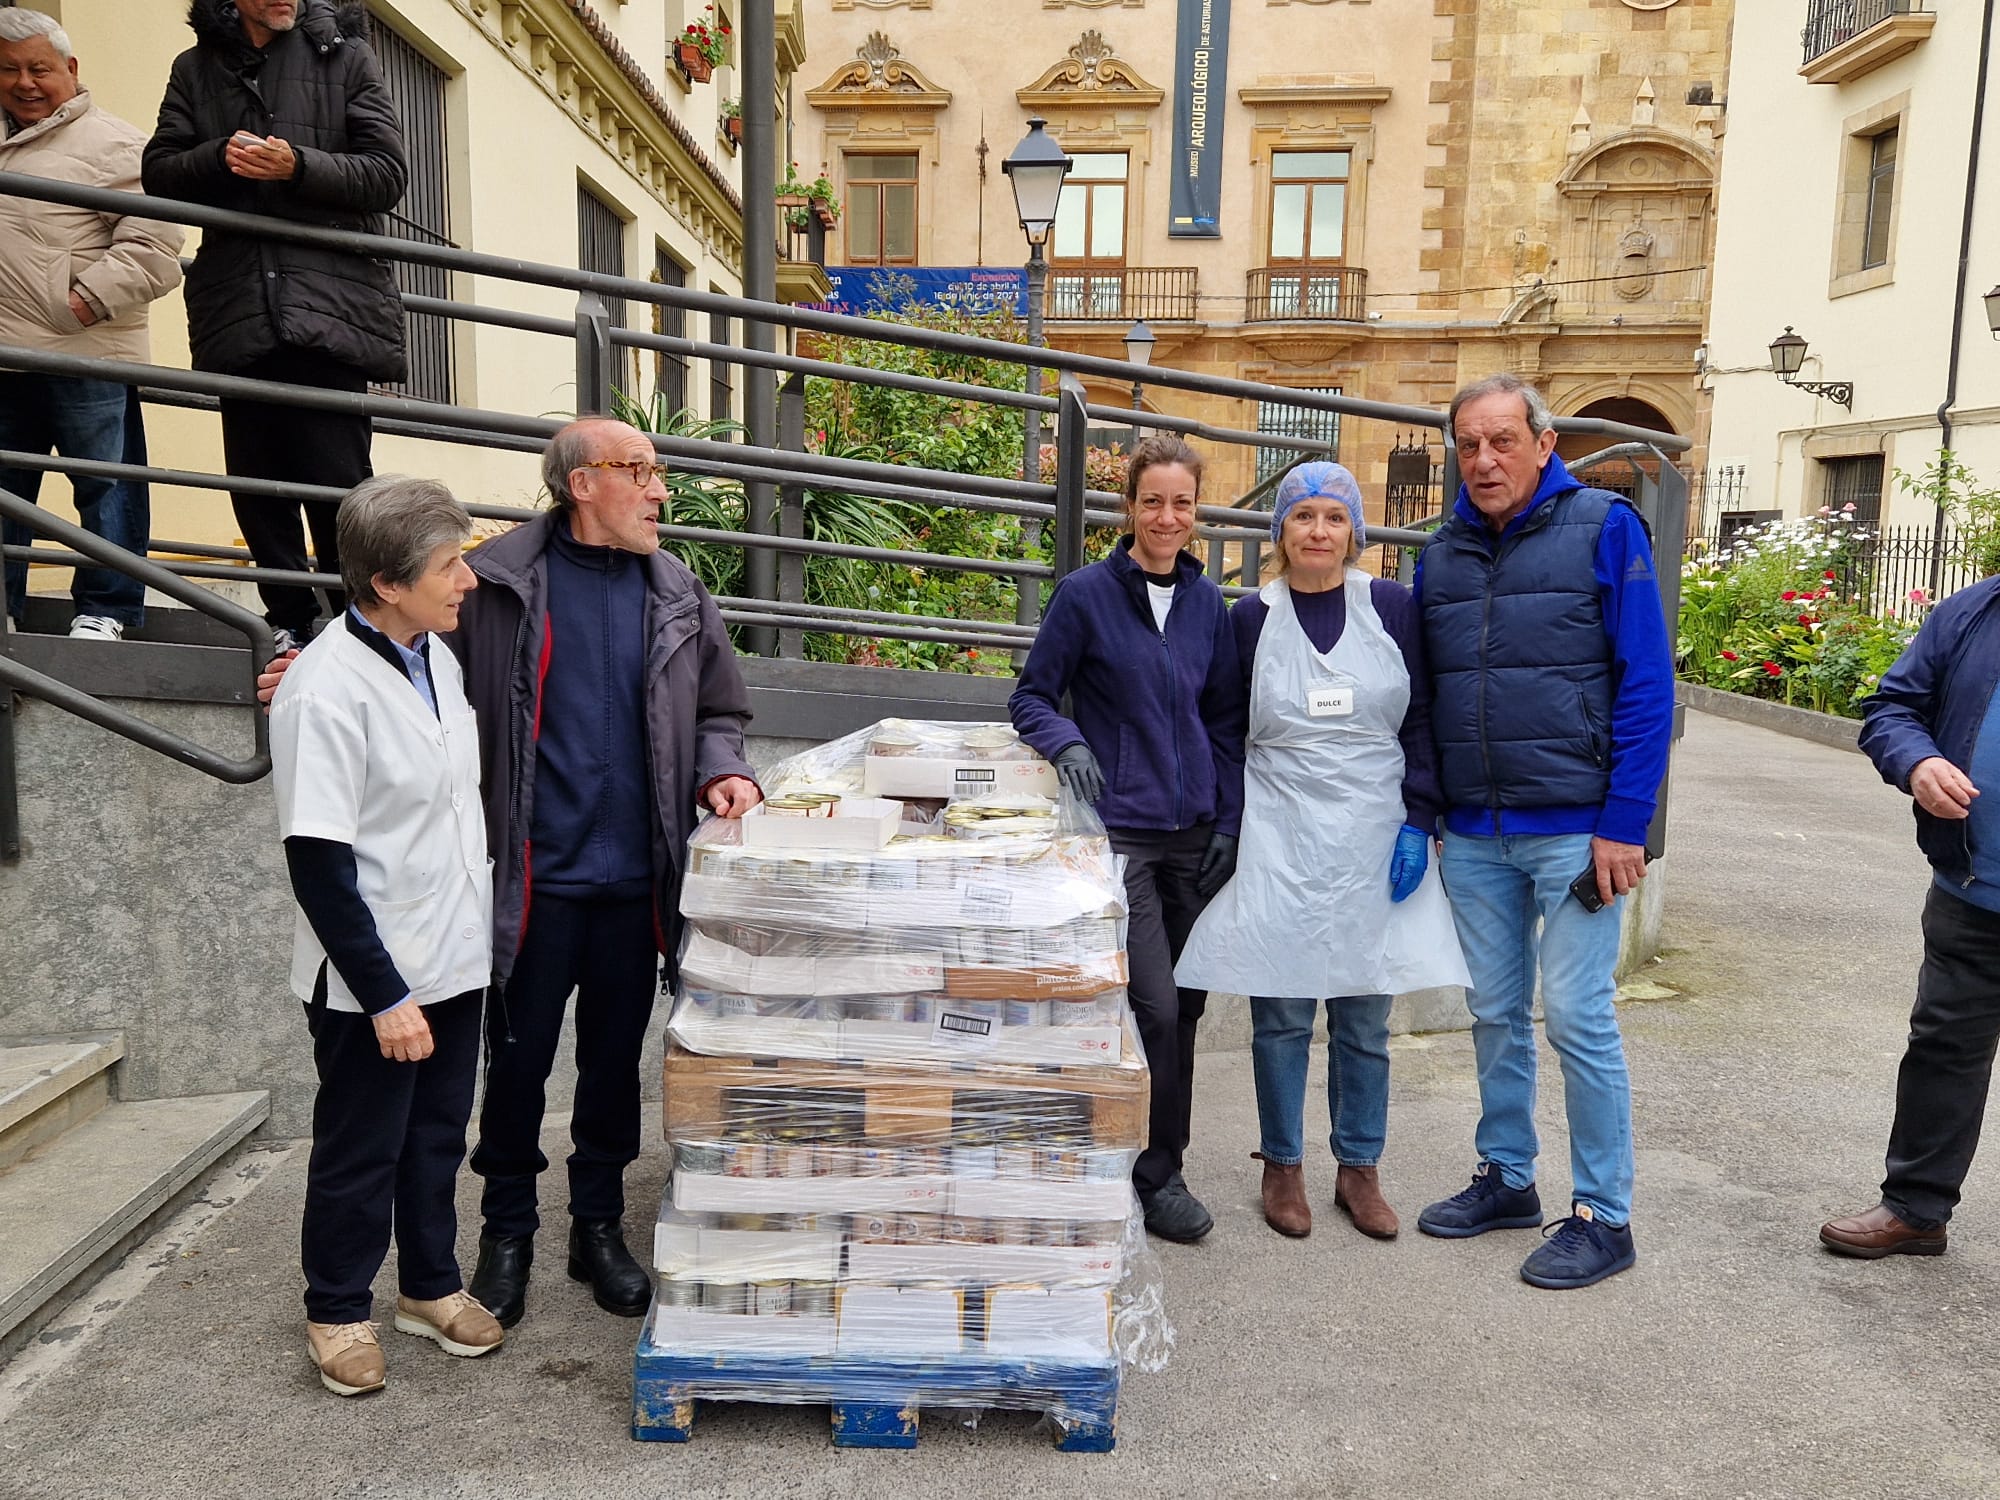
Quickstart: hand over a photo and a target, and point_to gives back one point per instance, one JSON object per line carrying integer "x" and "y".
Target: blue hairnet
{"x": 1319, "y": 481}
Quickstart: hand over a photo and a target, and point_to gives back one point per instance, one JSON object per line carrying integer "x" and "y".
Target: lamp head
{"x": 1788, "y": 353}
{"x": 1036, "y": 168}
{"x": 1139, "y": 343}
{"x": 1993, "y": 311}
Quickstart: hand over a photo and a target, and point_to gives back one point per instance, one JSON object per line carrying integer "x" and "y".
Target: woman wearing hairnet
{"x": 1333, "y": 898}
{"x": 1141, "y": 647}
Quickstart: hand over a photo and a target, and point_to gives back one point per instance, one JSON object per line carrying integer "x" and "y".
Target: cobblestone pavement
{"x": 1737, "y": 1359}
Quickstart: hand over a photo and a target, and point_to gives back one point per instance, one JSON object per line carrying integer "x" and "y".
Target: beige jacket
{"x": 118, "y": 264}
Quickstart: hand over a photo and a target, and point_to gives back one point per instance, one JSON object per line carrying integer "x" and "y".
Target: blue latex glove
{"x": 1408, "y": 863}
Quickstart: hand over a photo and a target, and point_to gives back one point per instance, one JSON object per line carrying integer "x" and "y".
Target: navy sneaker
{"x": 1580, "y": 1252}
{"x": 1487, "y": 1204}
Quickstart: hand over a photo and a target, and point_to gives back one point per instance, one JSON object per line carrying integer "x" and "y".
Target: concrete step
{"x": 75, "y": 1203}
{"x": 52, "y": 1084}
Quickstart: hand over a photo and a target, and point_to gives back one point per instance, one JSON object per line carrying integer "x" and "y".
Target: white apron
{"x": 1308, "y": 913}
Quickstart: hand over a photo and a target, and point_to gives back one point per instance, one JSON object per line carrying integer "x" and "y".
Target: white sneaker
{"x": 95, "y": 628}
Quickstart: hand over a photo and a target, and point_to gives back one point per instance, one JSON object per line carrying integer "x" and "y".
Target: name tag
{"x": 1329, "y": 702}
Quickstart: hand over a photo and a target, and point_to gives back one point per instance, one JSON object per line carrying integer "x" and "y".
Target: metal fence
{"x": 1831, "y": 22}
{"x": 1888, "y": 572}
{"x": 777, "y": 469}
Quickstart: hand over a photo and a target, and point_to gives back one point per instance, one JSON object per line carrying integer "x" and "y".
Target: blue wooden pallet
{"x": 875, "y": 1401}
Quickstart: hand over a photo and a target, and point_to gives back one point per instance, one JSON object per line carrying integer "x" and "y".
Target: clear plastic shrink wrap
{"x": 903, "y": 1088}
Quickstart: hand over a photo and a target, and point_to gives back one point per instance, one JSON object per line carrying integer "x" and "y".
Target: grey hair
{"x": 571, "y": 448}
{"x": 1540, "y": 418}
{"x": 26, "y": 25}
{"x": 389, "y": 526}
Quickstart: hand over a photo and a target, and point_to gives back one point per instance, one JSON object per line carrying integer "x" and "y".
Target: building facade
{"x": 548, "y": 130}
{"x": 1408, "y": 195}
{"x": 1851, "y": 174}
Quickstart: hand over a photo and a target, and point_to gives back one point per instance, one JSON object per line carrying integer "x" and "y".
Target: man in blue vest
{"x": 1553, "y": 713}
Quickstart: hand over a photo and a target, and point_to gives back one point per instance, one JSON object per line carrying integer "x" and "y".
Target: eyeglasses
{"x": 638, "y": 468}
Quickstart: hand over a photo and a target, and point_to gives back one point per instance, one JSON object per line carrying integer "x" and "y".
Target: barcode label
{"x": 968, "y": 775}
{"x": 965, "y": 1025}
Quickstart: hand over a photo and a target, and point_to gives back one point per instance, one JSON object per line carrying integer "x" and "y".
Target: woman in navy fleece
{"x": 1140, "y": 644}
{"x": 1330, "y": 901}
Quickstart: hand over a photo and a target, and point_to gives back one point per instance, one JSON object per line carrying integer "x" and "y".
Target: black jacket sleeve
{"x": 178, "y": 162}
{"x": 323, "y": 880}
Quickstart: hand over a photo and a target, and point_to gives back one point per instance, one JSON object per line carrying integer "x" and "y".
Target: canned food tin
{"x": 921, "y": 1161}
{"x": 768, "y": 1297}
{"x": 872, "y": 1008}
{"x": 873, "y": 1161}
{"x": 795, "y": 1159}
{"x": 725, "y": 1296}
{"x": 1102, "y": 1164}
{"x": 746, "y": 1159}
{"x": 893, "y": 742}
{"x": 1009, "y": 946}
{"x": 1026, "y": 1012}
{"x": 907, "y": 1229}
{"x": 990, "y": 743}
{"x": 869, "y": 1228}
{"x": 813, "y": 1299}
{"x": 1061, "y": 1163}
{"x": 1010, "y": 1231}
{"x": 676, "y": 1293}
{"x": 1052, "y": 1232}
{"x": 788, "y": 807}
{"x": 1014, "y": 1159}
{"x": 698, "y": 1158}
{"x": 958, "y": 1230}
{"x": 921, "y": 1009}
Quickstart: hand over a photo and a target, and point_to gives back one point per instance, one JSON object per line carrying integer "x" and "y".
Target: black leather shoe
{"x": 500, "y": 1280}
{"x": 597, "y": 1255}
{"x": 1173, "y": 1213}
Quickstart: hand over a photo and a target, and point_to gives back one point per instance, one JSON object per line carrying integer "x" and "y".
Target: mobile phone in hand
{"x": 1584, "y": 888}
{"x": 246, "y": 140}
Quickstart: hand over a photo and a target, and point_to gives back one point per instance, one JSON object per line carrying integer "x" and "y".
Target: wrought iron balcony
{"x": 1322, "y": 294}
{"x": 1846, "y": 38}
{"x": 1159, "y": 294}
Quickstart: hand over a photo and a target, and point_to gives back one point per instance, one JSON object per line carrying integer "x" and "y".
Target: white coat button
{"x": 470, "y": 933}
{"x": 457, "y": 801}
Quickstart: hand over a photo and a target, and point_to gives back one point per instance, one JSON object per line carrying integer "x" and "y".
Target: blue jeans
{"x": 1357, "y": 1075}
{"x": 79, "y": 419}
{"x": 1510, "y": 901}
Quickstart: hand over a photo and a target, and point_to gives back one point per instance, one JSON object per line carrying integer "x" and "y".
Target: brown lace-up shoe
{"x": 349, "y": 1357}
{"x": 1878, "y": 1232}
{"x": 457, "y": 1323}
{"x": 1285, "y": 1206}
{"x": 1359, "y": 1192}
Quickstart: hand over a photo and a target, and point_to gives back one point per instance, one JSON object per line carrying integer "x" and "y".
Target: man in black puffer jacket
{"x": 279, "y": 109}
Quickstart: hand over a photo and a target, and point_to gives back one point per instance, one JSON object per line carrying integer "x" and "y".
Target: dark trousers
{"x": 79, "y": 419}
{"x": 605, "y": 951}
{"x": 1161, "y": 905}
{"x": 387, "y": 1140}
{"x": 262, "y": 441}
{"x": 1941, "y": 1087}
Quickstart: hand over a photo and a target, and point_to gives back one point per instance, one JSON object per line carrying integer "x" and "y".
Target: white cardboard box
{"x": 1056, "y": 1046}
{"x": 709, "y": 1193}
{"x": 857, "y": 823}
{"x": 710, "y": 963}
{"x": 900, "y": 1320}
{"x": 756, "y": 1036}
{"x": 1086, "y": 1265}
{"x": 941, "y": 776}
{"x": 699, "y": 1329}
{"x": 1030, "y": 1198}
{"x": 1052, "y": 1322}
{"x": 704, "y": 1254}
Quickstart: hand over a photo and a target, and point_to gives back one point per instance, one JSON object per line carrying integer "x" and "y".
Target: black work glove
{"x": 1080, "y": 772}
{"x": 1218, "y": 863}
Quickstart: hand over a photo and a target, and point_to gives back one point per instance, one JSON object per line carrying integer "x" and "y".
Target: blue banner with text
{"x": 1201, "y": 68}
{"x": 972, "y": 289}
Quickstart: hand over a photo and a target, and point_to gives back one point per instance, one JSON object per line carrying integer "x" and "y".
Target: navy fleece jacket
{"x": 1163, "y": 711}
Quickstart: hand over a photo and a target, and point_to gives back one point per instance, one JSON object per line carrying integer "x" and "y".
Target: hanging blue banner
{"x": 972, "y": 289}
{"x": 1201, "y": 68}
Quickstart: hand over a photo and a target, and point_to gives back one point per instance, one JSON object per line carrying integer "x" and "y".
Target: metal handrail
{"x": 20, "y": 679}
{"x": 386, "y": 247}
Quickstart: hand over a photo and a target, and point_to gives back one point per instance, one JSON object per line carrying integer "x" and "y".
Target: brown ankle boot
{"x": 1285, "y": 1206}
{"x": 1357, "y": 1190}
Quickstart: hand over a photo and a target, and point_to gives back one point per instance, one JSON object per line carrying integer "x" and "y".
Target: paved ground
{"x": 1737, "y": 1360}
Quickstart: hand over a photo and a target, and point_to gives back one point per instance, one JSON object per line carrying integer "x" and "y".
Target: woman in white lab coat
{"x": 376, "y": 759}
{"x": 1333, "y": 899}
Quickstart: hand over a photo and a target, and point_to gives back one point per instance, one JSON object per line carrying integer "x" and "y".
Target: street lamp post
{"x": 1139, "y": 343}
{"x": 1036, "y": 169}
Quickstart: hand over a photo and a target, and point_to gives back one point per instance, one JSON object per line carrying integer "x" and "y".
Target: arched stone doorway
{"x": 1630, "y": 410}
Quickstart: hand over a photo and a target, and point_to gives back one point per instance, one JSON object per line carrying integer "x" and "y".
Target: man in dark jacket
{"x": 1933, "y": 730}
{"x": 610, "y": 708}
{"x": 279, "y": 109}
{"x": 1553, "y": 712}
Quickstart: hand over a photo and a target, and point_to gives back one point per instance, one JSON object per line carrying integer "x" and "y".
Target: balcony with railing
{"x": 1158, "y": 294}
{"x": 1320, "y": 294}
{"x": 1846, "y": 38}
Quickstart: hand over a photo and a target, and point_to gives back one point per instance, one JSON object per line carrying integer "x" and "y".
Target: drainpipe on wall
{"x": 1964, "y": 267}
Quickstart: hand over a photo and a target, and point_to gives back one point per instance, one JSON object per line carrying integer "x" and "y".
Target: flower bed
{"x": 1774, "y": 615}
